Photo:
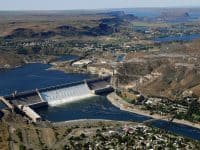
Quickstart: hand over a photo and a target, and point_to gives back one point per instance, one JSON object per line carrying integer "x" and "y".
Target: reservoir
{"x": 68, "y": 57}
{"x": 32, "y": 76}
{"x": 37, "y": 75}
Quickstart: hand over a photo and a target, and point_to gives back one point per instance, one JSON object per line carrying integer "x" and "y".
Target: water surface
{"x": 120, "y": 58}
{"x": 32, "y": 76}
{"x": 101, "y": 108}
{"x": 94, "y": 108}
{"x": 36, "y": 75}
{"x": 68, "y": 57}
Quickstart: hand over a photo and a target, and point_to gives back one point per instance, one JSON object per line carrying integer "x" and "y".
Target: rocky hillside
{"x": 163, "y": 76}
{"x": 64, "y": 30}
{"x": 103, "y": 24}
{"x": 174, "y": 83}
{"x": 8, "y": 60}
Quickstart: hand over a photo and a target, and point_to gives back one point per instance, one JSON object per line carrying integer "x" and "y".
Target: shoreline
{"x": 46, "y": 60}
{"x": 21, "y": 65}
{"x": 91, "y": 121}
{"x": 125, "y": 106}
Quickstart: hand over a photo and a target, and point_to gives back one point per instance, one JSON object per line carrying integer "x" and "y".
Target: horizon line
{"x": 96, "y": 9}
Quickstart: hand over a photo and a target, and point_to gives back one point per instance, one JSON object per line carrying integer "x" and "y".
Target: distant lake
{"x": 194, "y": 14}
{"x": 153, "y": 13}
{"x": 67, "y": 57}
{"x": 150, "y": 13}
{"x": 183, "y": 38}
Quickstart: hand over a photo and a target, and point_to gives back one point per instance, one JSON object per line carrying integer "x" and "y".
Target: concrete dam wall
{"x": 60, "y": 94}
{"x": 66, "y": 95}
{"x": 27, "y": 101}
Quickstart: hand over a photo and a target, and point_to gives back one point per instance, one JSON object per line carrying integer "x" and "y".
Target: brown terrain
{"x": 8, "y": 60}
{"x": 172, "y": 74}
{"x": 17, "y": 133}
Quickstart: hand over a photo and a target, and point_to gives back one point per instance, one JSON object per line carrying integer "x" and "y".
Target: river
{"x": 36, "y": 75}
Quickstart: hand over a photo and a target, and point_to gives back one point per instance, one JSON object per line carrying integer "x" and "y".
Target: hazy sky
{"x": 91, "y": 4}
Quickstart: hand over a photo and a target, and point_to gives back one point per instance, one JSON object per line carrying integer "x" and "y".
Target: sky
{"x": 91, "y": 4}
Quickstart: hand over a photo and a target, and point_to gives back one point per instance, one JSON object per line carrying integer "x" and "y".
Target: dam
{"x": 93, "y": 108}
{"x": 66, "y": 95}
{"x": 56, "y": 95}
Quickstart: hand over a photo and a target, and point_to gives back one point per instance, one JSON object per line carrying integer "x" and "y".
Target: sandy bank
{"x": 125, "y": 106}
{"x": 92, "y": 122}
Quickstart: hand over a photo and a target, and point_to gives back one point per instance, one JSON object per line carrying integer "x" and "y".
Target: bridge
{"x": 168, "y": 118}
{"x": 6, "y": 103}
{"x": 56, "y": 95}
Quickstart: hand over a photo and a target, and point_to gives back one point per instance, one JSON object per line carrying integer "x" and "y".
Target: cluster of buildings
{"x": 135, "y": 137}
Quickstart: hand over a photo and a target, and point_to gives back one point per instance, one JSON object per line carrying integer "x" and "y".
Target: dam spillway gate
{"x": 56, "y": 95}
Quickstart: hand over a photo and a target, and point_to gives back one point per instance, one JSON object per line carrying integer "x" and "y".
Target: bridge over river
{"x": 167, "y": 118}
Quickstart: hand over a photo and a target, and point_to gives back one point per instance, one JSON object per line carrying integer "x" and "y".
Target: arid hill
{"x": 171, "y": 74}
{"x": 8, "y": 60}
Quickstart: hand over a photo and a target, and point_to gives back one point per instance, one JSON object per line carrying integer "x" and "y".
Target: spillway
{"x": 66, "y": 95}
{"x": 60, "y": 94}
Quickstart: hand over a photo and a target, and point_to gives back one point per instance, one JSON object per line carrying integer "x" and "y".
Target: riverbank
{"x": 125, "y": 106}
{"x": 91, "y": 122}
{"x": 85, "y": 134}
{"x": 20, "y": 61}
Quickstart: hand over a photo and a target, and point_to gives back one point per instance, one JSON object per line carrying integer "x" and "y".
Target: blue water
{"x": 67, "y": 57}
{"x": 120, "y": 58}
{"x": 93, "y": 108}
{"x": 101, "y": 108}
{"x": 2, "y": 106}
{"x": 194, "y": 14}
{"x": 183, "y": 38}
{"x": 33, "y": 76}
{"x": 150, "y": 13}
{"x": 154, "y": 13}
{"x": 180, "y": 129}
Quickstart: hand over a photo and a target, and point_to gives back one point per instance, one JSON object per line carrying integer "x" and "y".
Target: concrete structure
{"x": 56, "y": 95}
{"x": 67, "y": 95}
{"x": 82, "y": 62}
{"x": 30, "y": 113}
{"x": 106, "y": 89}
{"x": 6, "y": 103}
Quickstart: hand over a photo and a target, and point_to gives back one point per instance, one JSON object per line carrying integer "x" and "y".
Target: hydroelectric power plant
{"x": 32, "y": 76}
{"x": 56, "y": 95}
{"x": 65, "y": 95}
